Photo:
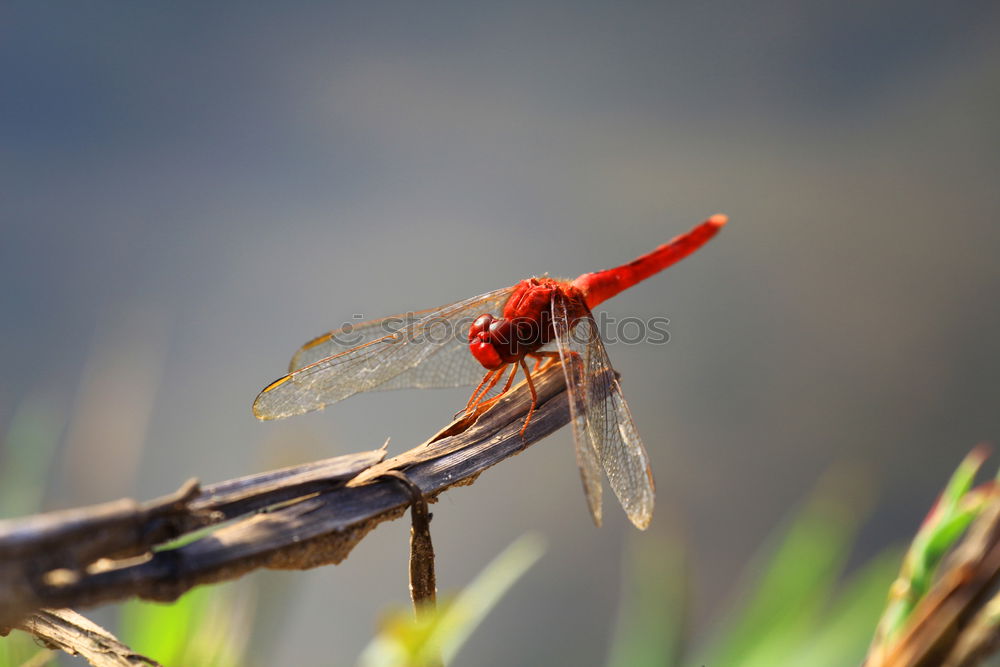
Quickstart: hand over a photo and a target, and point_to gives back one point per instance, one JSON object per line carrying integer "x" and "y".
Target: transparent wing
{"x": 427, "y": 350}
{"x": 353, "y": 334}
{"x": 573, "y": 368}
{"x": 603, "y": 429}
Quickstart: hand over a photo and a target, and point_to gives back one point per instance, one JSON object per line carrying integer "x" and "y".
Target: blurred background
{"x": 189, "y": 193}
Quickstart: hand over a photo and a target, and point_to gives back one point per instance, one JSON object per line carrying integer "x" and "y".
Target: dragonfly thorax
{"x": 525, "y": 326}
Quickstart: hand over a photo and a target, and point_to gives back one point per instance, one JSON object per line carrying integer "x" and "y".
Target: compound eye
{"x": 480, "y": 326}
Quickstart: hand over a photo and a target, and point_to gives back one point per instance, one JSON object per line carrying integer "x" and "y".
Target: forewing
{"x": 573, "y": 368}
{"x": 608, "y": 424}
{"x": 431, "y": 351}
{"x": 351, "y": 335}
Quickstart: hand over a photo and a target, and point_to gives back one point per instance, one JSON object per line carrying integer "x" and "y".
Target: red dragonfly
{"x": 543, "y": 319}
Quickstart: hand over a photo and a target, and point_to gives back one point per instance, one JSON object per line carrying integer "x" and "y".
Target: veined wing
{"x": 352, "y": 335}
{"x": 603, "y": 430}
{"x": 573, "y": 368}
{"x": 431, "y": 351}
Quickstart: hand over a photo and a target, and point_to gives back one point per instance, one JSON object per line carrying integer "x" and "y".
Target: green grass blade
{"x": 955, "y": 509}
{"x": 209, "y": 627}
{"x": 476, "y": 600}
{"x": 798, "y": 576}
{"x": 406, "y": 641}
{"x": 844, "y": 633}
{"x": 651, "y": 617}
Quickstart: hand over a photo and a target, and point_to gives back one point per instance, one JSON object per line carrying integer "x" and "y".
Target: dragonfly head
{"x": 484, "y": 335}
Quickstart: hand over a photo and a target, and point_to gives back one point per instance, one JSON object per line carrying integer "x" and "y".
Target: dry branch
{"x": 315, "y": 515}
{"x": 66, "y": 630}
{"x": 423, "y": 581}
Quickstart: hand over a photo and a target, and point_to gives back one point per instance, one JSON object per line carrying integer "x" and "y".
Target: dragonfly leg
{"x": 534, "y": 397}
{"x": 538, "y": 362}
{"x": 506, "y": 387}
{"x": 548, "y": 357}
{"x": 489, "y": 381}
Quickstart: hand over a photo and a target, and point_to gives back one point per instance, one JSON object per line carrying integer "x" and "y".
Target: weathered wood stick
{"x": 316, "y": 514}
{"x": 66, "y": 630}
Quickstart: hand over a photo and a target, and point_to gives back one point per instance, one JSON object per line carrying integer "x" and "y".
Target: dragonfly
{"x": 542, "y": 319}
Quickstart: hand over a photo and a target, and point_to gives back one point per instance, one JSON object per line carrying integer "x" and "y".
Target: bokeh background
{"x": 190, "y": 192}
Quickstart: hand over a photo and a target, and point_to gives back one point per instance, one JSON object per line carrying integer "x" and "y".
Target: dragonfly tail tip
{"x": 719, "y": 219}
